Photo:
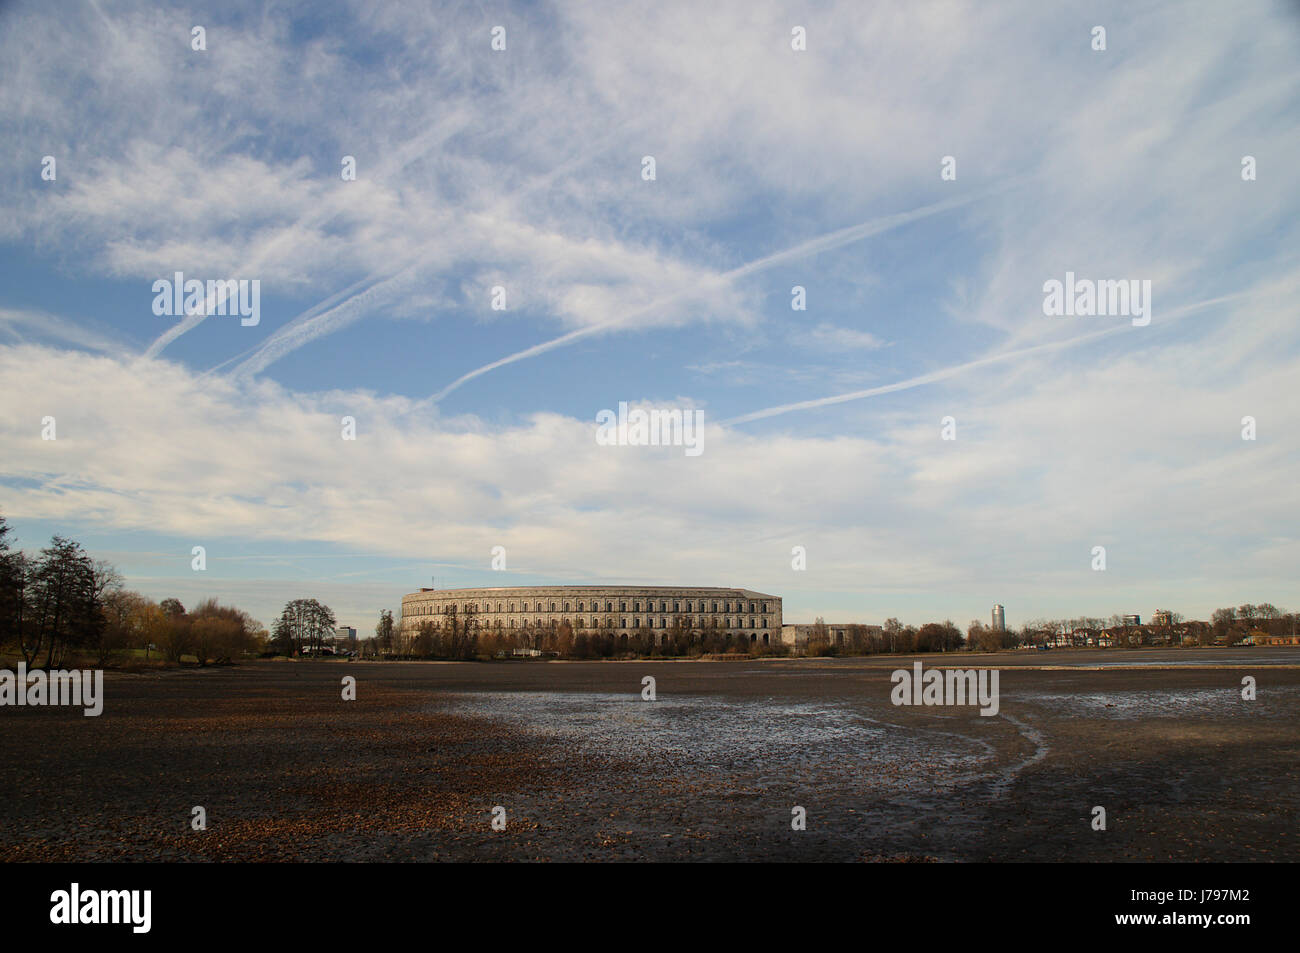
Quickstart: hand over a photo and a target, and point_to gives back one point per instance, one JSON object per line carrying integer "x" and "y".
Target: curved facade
{"x": 618, "y": 609}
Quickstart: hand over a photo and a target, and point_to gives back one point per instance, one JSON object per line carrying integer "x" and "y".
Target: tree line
{"x": 464, "y": 636}
{"x": 60, "y": 604}
{"x": 1227, "y": 626}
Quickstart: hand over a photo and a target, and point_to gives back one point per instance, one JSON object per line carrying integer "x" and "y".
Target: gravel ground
{"x": 587, "y": 770}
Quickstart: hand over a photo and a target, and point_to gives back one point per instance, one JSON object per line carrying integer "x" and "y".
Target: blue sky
{"x": 522, "y": 168}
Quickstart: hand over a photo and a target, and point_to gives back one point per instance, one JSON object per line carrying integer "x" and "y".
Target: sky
{"x": 920, "y": 170}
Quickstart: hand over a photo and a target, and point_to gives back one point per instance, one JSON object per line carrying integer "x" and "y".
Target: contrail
{"x": 956, "y": 369}
{"x": 918, "y": 381}
{"x": 315, "y": 309}
{"x": 812, "y": 246}
{"x": 308, "y": 325}
{"x": 52, "y": 325}
{"x": 854, "y": 233}
{"x": 404, "y": 156}
{"x": 519, "y": 356}
{"x": 333, "y": 314}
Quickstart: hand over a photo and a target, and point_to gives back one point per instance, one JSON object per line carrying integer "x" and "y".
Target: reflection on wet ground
{"x": 714, "y": 769}
{"x": 764, "y": 742}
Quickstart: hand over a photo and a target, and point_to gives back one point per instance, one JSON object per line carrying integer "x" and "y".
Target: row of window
{"x": 651, "y": 623}
{"x": 473, "y": 607}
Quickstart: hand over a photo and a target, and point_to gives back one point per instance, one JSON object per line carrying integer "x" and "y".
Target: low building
{"x": 798, "y": 634}
{"x": 1260, "y": 638}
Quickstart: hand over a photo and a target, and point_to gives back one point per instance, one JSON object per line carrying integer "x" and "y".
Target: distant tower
{"x": 999, "y": 619}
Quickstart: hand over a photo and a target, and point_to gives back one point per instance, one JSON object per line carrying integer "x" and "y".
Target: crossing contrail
{"x": 812, "y": 246}
{"x": 320, "y": 215}
{"x": 353, "y": 303}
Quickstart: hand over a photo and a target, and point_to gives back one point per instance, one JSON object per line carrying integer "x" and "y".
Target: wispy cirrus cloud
{"x": 774, "y": 169}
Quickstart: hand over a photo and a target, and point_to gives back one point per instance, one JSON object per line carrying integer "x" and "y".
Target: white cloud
{"x": 523, "y": 170}
{"x": 830, "y": 337}
{"x": 532, "y": 170}
{"x": 1141, "y": 455}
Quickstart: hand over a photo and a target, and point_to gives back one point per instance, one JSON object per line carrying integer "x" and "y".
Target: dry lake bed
{"x": 712, "y": 769}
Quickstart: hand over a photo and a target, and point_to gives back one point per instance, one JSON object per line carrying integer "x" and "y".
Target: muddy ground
{"x": 711, "y": 770}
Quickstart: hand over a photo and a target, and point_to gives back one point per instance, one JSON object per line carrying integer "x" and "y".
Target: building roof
{"x": 748, "y": 593}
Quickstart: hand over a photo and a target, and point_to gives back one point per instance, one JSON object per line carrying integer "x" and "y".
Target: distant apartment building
{"x": 345, "y": 637}
{"x": 1162, "y": 617}
{"x": 1131, "y": 619}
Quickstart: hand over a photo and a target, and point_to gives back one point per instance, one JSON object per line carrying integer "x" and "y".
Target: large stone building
{"x": 799, "y": 634}
{"x": 618, "y": 609}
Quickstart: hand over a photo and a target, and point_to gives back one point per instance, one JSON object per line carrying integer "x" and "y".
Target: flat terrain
{"x": 585, "y": 769}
